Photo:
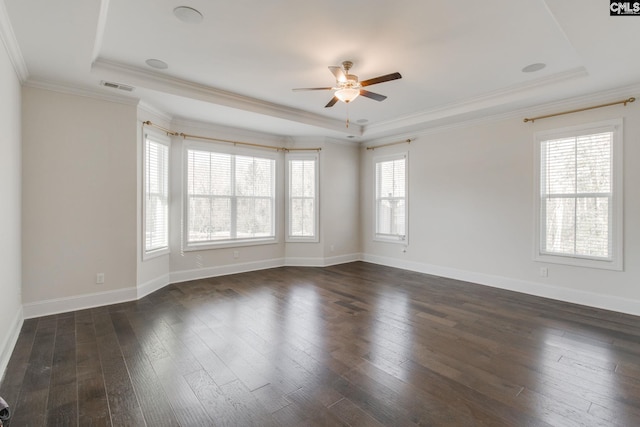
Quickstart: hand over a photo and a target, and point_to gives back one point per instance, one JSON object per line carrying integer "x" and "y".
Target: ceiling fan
{"x": 348, "y": 87}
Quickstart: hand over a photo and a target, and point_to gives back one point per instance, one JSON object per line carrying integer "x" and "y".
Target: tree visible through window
{"x": 577, "y": 195}
{"x": 229, "y": 197}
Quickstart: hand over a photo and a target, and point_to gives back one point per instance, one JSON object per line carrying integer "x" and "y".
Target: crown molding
{"x": 600, "y": 97}
{"x": 475, "y": 104}
{"x": 11, "y": 44}
{"x": 212, "y": 128}
{"x": 576, "y": 102}
{"x": 79, "y": 91}
{"x": 137, "y": 77}
{"x": 144, "y": 107}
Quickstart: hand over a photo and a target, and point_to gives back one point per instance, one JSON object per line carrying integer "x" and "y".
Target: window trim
{"x": 316, "y": 236}
{"x": 229, "y": 243}
{"x": 377, "y": 237}
{"x": 162, "y": 139}
{"x": 617, "y": 193}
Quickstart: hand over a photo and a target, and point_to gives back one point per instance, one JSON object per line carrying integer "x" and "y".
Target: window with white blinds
{"x": 229, "y": 198}
{"x": 302, "y": 202}
{"x": 156, "y": 194}
{"x": 579, "y": 196}
{"x": 391, "y": 198}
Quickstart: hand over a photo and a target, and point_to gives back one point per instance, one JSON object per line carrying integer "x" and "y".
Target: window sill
{"x": 615, "y": 264}
{"x": 399, "y": 240}
{"x": 189, "y": 247}
{"x": 155, "y": 254}
{"x": 302, "y": 240}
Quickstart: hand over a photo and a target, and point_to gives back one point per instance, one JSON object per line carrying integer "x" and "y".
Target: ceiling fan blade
{"x": 332, "y": 102}
{"x": 372, "y": 95}
{"x": 312, "y": 88}
{"x": 338, "y": 73}
{"x": 381, "y": 79}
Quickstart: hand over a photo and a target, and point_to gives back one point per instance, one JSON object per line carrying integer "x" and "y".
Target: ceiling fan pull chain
{"x": 347, "y": 115}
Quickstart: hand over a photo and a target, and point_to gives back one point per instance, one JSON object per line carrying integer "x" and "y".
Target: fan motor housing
{"x": 352, "y": 79}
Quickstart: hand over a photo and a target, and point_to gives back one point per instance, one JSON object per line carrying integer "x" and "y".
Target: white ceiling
{"x": 238, "y": 66}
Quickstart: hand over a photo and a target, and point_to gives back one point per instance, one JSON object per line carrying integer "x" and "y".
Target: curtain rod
{"x": 625, "y": 102}
{"x": 406, "y": 141}
{"x": 228, "y": 141}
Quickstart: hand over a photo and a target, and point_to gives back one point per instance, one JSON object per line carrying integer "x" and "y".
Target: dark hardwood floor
{"x": 355, "y": 345}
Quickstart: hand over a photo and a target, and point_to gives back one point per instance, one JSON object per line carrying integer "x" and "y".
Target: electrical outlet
{"x": 236, "y": 254}
{"x": 332, "y": 248}
{"x": 99, "y": 278}
{"x": 544, "y": 272}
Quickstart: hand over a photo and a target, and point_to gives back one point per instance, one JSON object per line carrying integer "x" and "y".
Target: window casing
{"x": 579, "y": 196}
{"x": 391, "y": 212}
{"x": 302, "y": 197}
{"x": 229, "y": 198}
{"x": 156, "y": 194}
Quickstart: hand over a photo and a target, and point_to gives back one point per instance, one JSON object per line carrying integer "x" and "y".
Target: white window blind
{"x": 229, "y": 197}
{"x": 156, "y": 195}
{"x": 303, "y": 201}
{"x": 578, "y": 209}
{"x": 391, "y": 198}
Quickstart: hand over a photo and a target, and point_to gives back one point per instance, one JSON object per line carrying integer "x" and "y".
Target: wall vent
{"x": 113, "y": 85}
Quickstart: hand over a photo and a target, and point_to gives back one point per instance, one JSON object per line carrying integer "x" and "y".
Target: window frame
{"x": 391, "y": 238}
{"x": 315, "y": 157}
{"x": 161, "y": 139}
{"x": 615, "y": 262}
{"x": 235, "y": 242}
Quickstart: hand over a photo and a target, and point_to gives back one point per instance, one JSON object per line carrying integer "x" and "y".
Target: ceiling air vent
{"x": 117, "y": 86}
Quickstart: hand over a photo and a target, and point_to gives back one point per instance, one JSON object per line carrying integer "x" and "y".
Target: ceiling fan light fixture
{"x": 347, "y": 95}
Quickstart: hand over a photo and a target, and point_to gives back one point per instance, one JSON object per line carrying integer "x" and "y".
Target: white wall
{"x": 79, "y": 199}
{"x": 471, "y": 211}
{"x": 339, "y": 229}
{"x": 339, "y": 201}
{"x": 10, "y": 220}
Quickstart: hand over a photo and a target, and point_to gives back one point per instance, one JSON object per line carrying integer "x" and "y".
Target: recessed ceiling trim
{"x": 11, "y": 43}
{"x": 141, "y": 78}
{"x": 476, "y": 104}
{"x": 102, "y": 23}
{"x": 544, "y": 108}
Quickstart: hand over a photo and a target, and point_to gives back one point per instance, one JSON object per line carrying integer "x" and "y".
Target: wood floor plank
{"x": 354, "y": 344}
{"x": 154, "y": 403}
{"x": 187, "y": 407}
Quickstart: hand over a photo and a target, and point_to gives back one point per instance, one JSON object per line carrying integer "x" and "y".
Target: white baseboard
{"x": 13, "y": 331}
{"x": 224, "y": 270}
{"x": 321, "y": 262}
{"x": 544, "y": 290}
{"x": 80, "y": 302}
{"x": 153, "y": 285}
{"x": 62, "y": 305}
